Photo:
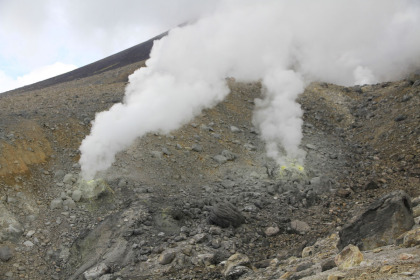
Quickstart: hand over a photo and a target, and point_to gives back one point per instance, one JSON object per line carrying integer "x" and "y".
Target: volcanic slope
{"x": 155, "y": 219}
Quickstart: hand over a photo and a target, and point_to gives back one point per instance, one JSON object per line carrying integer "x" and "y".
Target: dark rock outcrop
{"x": 381, "y": 224}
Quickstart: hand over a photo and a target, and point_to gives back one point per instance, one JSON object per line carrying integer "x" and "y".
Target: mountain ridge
{"x": 134, "y": 54}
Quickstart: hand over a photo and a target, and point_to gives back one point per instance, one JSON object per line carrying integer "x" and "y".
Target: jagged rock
{"x": 225, "y": 214}
{"x": 381, "y": 224}
{"x": 349, "y": 257}
{"x": 5, "y": 253}
{"x": 236, "y": 265}
{"x": 410, "y": 238}
{"x": 166, "y": 258}
{"x": 96, "y": 271}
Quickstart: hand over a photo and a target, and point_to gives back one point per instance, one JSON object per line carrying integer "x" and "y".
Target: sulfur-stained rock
{"x": 349, "y": 257}
{"x": 92, "y": 189}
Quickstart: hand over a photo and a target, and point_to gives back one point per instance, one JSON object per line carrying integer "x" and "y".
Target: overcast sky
{"x": 44, "y": 38}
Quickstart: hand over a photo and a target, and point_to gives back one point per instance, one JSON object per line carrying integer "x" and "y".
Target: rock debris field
{"x": 204, "y": 202}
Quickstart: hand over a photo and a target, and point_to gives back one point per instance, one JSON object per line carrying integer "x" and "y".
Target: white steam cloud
{"x": 285, "y": 44}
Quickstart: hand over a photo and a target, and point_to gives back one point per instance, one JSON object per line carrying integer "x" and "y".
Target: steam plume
{"x": 286, "y": 44}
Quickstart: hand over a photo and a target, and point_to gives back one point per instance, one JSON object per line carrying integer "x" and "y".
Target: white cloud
{"x": 37, "y": 33}
{"x": 40, "y": 74}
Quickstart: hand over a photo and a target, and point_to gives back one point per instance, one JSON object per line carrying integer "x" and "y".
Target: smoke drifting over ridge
{"x": 286, "y": 44}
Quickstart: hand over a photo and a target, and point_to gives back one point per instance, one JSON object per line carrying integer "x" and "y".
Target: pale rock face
{"x": 349, "y": 257}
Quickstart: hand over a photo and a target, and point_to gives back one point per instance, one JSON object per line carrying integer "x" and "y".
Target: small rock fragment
{"x": 299, "y": 227}
{"x": 220, "y": 159}
{"x": 96, "y": 271}
{"x": 166, "y": 258}
{"x": 405, "y": 256}
{"x": 229, "y": 155}
{"x": 56, "y": 204}
{"x": 271, "y": 231}
{"x": 197, "y": 148}
{"x": 5, "y": 253}
{"x": 236, "y": 265}
{"x": 156, "y": 154}
{"x": 371, "y": 186}
{"x": 400, "y": 118}
{"x": 69, "y": 179}
{"x": 234, "y": 129}
{"x": 76, "y": 196}
{"x": 69, "y": 203}
{"x": 28, "y": 243}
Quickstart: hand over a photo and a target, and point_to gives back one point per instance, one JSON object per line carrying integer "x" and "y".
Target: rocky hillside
{"x": 205, "y": 202}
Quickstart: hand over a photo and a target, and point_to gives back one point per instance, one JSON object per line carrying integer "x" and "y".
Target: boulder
{"x": 380, "y": 224}
{"x": 224, "y": 214}
{"x": 349, "y": 257}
